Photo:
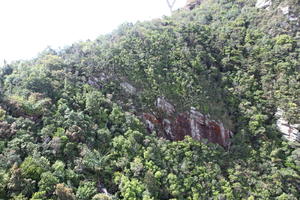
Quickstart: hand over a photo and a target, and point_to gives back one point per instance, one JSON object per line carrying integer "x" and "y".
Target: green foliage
{"x": 130, "y": 189}
{"x": 86, "y": 190}
{"x": 101, "y": 197}
{"x": 70, "y": 129}
{"x": 20, "y": 197}
{"x": 47, "y": 182}
{"x": 33, "y": 167}
{"x": 39, "y": 196}
{"x": 2, "y": 114}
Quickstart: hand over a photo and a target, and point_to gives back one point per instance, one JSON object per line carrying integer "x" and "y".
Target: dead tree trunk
{"x": 171, "y": 5}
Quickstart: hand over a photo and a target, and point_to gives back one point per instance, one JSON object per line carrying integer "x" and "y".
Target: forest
{"x": 71, "y": 124}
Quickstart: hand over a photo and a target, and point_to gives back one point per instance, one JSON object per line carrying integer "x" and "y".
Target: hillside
{"x": 204, "y": 104}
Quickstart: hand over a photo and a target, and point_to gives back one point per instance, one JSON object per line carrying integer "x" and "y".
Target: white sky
{"x": 29, "y": 26}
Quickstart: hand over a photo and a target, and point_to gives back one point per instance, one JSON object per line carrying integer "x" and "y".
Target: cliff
{"x": 176, "y": 126}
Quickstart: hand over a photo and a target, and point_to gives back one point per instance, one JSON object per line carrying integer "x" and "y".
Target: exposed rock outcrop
{"x": 263, "y": 4}
{"x": 284, "y": 9}
{"x": 165, "y": 106}
{"x": 287, "y": 11}
{"x": 128, "y": 87}
{"x": 190, "y": 123}
{"x": 290, "y": 131}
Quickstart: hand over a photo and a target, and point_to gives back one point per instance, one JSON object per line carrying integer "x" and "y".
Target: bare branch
{"x": 171, "y": 5}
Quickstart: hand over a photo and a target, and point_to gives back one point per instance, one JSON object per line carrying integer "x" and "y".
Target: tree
{"x": 33, "y": 167}
{"x": 15, "y": 180}
{"x": 39, "y": 196}
{"x": 48, "y": 182}
{"x": 86, "y": 190}
{"x": 19, "y": 197}
{"x": 171, "y": 4}
{"x": 62, "y": 192}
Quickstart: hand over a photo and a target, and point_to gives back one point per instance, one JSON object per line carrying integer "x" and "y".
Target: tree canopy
{"x": 70, "y": 125}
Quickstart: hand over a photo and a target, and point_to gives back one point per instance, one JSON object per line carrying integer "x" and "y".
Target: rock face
{"x": 191, "y": 4}
{"x": 263, "y": 3}
{"x": 128, "y": 88}
{"x": 284, "y": 9}
{"x": 290, "y": 131}
{"x": 192, "y": 123}
{"x": 164, "y": 106}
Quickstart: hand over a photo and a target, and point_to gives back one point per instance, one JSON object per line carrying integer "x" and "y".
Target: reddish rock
{"x": 192, "y": 123}
{"x": 150, "y": 121}
{"x": 182, "y": 126}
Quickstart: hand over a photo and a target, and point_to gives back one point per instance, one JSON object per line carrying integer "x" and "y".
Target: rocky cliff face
{"x": 263, "y": 3}
{"x": 168, "y": 123}
{"x": 175, "y": 126}
{"x": 284, "y": 7}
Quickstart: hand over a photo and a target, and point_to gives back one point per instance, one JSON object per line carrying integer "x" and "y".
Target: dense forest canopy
{"x": 71, "y": 126}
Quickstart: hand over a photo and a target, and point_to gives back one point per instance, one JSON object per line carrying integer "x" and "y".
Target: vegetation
{"x": 68, "y": 130}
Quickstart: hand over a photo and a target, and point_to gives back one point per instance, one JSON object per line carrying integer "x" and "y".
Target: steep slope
{"x": 106, "y": 119}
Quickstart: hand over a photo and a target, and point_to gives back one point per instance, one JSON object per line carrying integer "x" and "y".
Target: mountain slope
{"x": 71, "y": 120}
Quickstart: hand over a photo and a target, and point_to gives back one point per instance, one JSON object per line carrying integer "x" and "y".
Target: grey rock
{"x": 289, "y": 131}
{"x": 263, "y": 3}
{"x": 293, "y": 18}
{"x": 285, "y": 9}
{"x": 128, "y": 88}
{"x": 165, "y": 106}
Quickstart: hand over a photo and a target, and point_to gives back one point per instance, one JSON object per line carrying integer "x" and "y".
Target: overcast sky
{"x": 29, "y": 26}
